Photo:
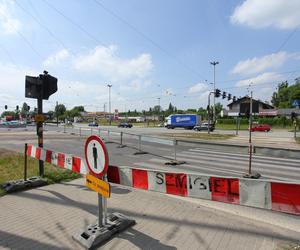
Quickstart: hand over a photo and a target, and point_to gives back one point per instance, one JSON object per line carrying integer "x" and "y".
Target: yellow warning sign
{"x": 100, "y": 186}
{"x": 39, "y": 118}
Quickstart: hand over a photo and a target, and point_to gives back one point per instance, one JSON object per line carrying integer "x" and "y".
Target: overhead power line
{"x": 78, "y": 26}
{"x": 288, "y": 38}
{"x": 42, "y": 25}
{"x": 149, "y": 39}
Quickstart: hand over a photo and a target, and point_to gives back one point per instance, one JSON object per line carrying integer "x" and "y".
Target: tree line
{"x": 285, "y": 94}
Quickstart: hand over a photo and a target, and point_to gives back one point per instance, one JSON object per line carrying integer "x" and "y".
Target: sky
{"x": 151, "y": 52}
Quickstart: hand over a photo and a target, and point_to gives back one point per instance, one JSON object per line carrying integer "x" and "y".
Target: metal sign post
{"x": 97, "y": 161}
{"x": 107, "y": 225}
{"x": 251, "y": 174}
{"x": 40, "y": 88}
{"x": 39, "y": 127}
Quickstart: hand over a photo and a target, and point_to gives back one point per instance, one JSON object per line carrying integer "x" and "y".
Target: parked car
{"x": 125, "y": 125}
{"x": 261, "y": 127}
{"x": 93, "y": 124}
{"x": 204, "y": 126}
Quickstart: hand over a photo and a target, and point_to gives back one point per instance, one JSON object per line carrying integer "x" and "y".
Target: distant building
{"x": 132, "y": 118}
{"x": 241, "y": 107}
{"x": 86, "y": 116}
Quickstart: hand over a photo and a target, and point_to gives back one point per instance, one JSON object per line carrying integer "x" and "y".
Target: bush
{"x": 281, "y": 121}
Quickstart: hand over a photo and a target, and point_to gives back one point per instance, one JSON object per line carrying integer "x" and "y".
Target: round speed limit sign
{"x": 96, "y": 156}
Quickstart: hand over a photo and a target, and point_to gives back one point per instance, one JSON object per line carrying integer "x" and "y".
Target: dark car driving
{"x": 125, "y": 125}
{"x": 93, "y": 124}
{"x": 204, "y": 126}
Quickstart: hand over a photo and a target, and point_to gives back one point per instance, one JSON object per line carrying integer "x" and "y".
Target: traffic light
{"x": 218, "y": 93}
{"x": 234, "y": 99}
{"x": 28, "y": 108}
{"x": 229, "y": 97}
{"x": 224, "y": 95}
{"x": 33, "y": 87}
{"x": 42, "y": 86}
{"x": 17, "y": 107}
{"x": 49, "y": 85}
{"x": 5, "y": 106}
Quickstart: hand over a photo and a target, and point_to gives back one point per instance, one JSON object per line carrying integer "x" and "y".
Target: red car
{"x": 261, "y": 127}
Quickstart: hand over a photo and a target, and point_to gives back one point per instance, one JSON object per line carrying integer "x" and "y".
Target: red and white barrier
{"x": 282, "y": 197}
{"x": 73, "y": 163}
{"x": 277, "y": 196}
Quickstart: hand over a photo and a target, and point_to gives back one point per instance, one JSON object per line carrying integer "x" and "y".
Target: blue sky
{"x": 147, "y": 50}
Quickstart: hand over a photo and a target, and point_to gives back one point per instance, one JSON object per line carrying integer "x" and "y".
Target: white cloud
{"x": 136, "y": 85}
{"x": 203, "y": 99}
{"x": 264, "y": 94}
{"x": 103, "y": 61}
{"x": 8, "y": 23}
{"x": 101, "y": 65}
{"x": 12, "y": 85}
{"x": 199, "y": 87}
{"x": 259, "y": 64}
{"x": 267, "y": 77}
{"x": 282, "y": 14}
{"x": 57, "y": 58}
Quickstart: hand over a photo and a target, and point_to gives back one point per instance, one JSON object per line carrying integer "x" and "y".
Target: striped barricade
{"x": 259, "y": 193}
{"x": 73, "y": 163}
{"x": 281, "y": 197}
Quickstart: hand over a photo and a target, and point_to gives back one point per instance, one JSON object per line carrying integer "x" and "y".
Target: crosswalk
{"x": 286, "y": 142}
{"x": 210, "y": 162}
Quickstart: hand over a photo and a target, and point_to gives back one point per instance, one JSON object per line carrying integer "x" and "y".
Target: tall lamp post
{"x": 109, "y": 101}
{"x": 214, "y": 63}
{"x": 158, "y": 108}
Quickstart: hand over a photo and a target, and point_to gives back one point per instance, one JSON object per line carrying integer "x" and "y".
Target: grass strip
{"x": 12, "y": 168}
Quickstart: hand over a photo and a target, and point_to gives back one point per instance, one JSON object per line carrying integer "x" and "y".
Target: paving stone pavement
{"x": 47, "y": 217}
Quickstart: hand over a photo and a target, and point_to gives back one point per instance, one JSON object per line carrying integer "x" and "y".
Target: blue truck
{"x": 187, "y": 121}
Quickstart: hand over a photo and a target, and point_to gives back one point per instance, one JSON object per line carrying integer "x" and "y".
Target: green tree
{"x": 24, "y": 109}
{"x": 51, "y": 114}
{"x": 8, "y": 113}
{"x": 60, "y": 109}
{"x": 218, "y": 108}
{"x": 79, "y": 108}
{"x": 285, "y": 94}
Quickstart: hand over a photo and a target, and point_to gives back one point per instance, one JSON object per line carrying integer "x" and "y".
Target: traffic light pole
{"x": 39, "y": 127}
{"x": 208, "y": 130}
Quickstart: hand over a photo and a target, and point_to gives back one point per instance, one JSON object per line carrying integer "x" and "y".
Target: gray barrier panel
{"x": 277, "y": 152}
{"x": 157, "y": 140}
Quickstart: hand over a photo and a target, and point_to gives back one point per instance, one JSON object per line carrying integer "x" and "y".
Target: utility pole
{"x": 109, "y": 87}
{"x": 214, "y": 63}
{"x": 208, "y": 111}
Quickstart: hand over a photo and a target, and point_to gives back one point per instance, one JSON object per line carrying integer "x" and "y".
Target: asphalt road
{"x": 199, "y": 159}
{"x": 274, "y": 138}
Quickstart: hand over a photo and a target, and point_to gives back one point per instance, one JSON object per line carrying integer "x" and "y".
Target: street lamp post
{"x": 109, "y": 87}
{"x": 158, "y": 107}
{"x": 214, "y": 64}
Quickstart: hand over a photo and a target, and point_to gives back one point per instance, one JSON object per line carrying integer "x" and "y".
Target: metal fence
{"x": 139, "y": 142}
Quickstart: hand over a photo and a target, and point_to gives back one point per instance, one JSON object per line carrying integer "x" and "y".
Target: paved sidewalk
{"x": 47, "y": 217}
